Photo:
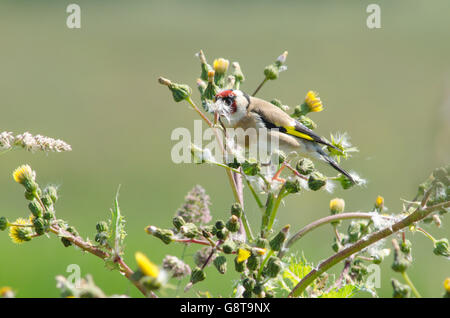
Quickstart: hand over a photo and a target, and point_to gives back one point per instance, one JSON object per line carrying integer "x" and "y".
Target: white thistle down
{"x": 32, "y": 143}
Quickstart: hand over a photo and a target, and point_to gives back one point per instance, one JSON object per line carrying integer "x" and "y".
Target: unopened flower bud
{"x": 228, "y": 246}
{"x": 48, "y": 215}
{"x": 277, "y": 242}
{"x": 221, "y": 264}
{"x": 253, "y": 262}
{"x": 29, "y": 195}
{"x": 308, "y": 122}
{"x": 305, "y": 166}
{"x": 337, "y": 206}
{"x": 237, "y": 72}
{"x": 197, "y": 275}
{"x": 190, "y": 230}
{"x": 251, "y": 168}
{"x": 3, "y": 223}
{"x": 316, "y": 181}
{"x": 405, "y": 246}
{"x": 179, "y": 91}
{"x": 354, "y": 231}
{"x": 102, "y": 226}
{"x": 52, "y": 192}
{"x": 101, "y": 238}
{"x": 39, "y": 226}
{"x": 178, "y": 222}
{"x": 281, "y": 59}
{"x": 220, "y": 224}
{"x": 66, "y": 242}
{"x": 249, "y": 284}
{"x": 238, "y": 266}
{"x": 401, "y": 263}
{"x": 271, "y": 72}
{"x": 47, "y": 201}
{"x": 273, "y": 267}
{"x": 441, "y": 247}
{"x": 345, "y": 182}
{"x": 292, "y": 186}
{"x": 222, "y": 234}
{"x": 400, "y": 290}
{"x": 164, "y": 235}
{"x": 236, "y": 209}
{"x": 36, "y": 209}
{"x": 233, "y": 224}
{"x": 204, "y": 65}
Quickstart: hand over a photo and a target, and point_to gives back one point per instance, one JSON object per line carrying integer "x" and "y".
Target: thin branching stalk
{"x": 85, "y": 246}
{"x": 259, "y": 86}
{"x": 419, "y": 214}
{"x": 410, "y": 284}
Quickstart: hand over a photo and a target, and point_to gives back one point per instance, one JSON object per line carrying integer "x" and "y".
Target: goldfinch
{"x": 244, "y": 111}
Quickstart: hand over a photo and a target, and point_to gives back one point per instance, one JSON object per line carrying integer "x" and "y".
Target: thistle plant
{"x": 259, "y": 253}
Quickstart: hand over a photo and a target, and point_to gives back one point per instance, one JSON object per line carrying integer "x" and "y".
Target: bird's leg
{"x": 277, "y": 174}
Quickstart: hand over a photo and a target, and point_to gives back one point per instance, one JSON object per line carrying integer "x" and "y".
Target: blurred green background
{"x": 96, "y": 88}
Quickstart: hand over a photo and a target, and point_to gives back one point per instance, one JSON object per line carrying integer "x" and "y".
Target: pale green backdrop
{"x": 96, "y": 88}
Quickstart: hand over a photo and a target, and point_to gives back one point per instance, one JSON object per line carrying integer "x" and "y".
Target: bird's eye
{"x": 228, "y": 102}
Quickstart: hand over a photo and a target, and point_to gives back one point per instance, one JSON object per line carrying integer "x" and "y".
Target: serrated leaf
{"x": 346, "y": 291}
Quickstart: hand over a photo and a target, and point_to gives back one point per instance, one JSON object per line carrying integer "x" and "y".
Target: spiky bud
{"x": 305, "y": 166}
{"x": 316, "y": 181}
{"x": 233, "y": 224}
{"x": 221, "y": 264}
{"x": 36, "y": 209}
{"x": 236, "y": 209}
{"x": 277, "y": 242}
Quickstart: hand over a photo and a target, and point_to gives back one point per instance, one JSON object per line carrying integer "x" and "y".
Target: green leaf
{"x": 117, "y": 230}
{"x": 346, "y": 291}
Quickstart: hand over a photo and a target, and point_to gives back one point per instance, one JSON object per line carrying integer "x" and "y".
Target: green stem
{"x": 426, "y": 234}
{"x": 258, "y": 277}
{"x": 409, "y": 282}
{"x": 274, "y": 211}
{"x": 266, "y": 216}
{"x": 255, "y": 195}
{"x": 259, "y": 87}
{"x": 418, "y": 215}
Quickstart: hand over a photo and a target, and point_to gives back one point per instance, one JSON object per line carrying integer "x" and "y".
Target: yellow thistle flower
{"x": 23, "y": 173}
{"x": 379, "y": 202}
{"x": 6, "y": 291}
{"x": 312, "y": 100}
{"x": 337, "y": 205}
{"x": 447, "y": 285}
{"x": 20, "y": 234}
{"x": 243, "y": 255}
{"x": 146, "y": 266}
{"x": 221, "y": 65}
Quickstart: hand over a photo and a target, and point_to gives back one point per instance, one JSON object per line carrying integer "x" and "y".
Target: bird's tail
{"x": 334, "y": 164}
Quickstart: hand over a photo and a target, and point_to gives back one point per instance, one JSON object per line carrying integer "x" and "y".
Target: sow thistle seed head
{"x": 20, "y": 234}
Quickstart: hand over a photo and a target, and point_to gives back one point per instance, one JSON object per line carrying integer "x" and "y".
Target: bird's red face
{"x": 228, "y": 97}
